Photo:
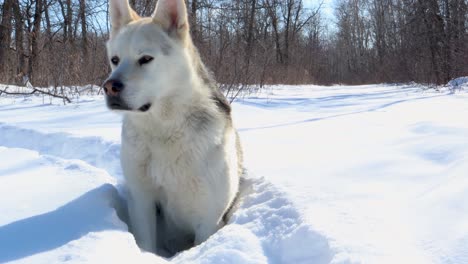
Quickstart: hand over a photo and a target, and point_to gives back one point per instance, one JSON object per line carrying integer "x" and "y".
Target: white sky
{"x": 327, "y": 7}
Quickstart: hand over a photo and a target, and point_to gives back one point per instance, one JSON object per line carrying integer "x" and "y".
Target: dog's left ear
{"x": 172, "y": 16}
{"x": 120, "y": 15}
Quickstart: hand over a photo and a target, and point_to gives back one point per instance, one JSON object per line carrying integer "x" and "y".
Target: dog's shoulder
{"x": 221, "y": 102}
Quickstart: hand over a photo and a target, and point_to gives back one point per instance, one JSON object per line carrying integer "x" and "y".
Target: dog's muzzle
{"x": 116, "y": 103}
{"x": 113, "y": 89}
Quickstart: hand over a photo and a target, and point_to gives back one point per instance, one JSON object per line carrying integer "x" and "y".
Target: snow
{"x": 340, "y": 174}
{"x": 460, "y": 83}
{"x": 56, "y": 210}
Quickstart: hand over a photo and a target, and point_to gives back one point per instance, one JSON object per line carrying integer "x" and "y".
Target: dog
{"x": 180, "y": 154}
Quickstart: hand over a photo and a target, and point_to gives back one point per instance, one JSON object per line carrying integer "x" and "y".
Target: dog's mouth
{"x": 145, "y": 107}
{"x": 114, "y": 103}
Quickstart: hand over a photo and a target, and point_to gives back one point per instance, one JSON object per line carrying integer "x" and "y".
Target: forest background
{"x": 62, "y": 42}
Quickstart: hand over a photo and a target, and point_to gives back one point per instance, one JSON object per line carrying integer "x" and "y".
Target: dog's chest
{"x": 172, "y": 162}
{"x": 183, "y": 160}
{"x": 180, "y": 161}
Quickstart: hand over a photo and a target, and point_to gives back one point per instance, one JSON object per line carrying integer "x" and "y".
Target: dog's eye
{"x": 145, "y": 59}
{"x": 115, "y": 60}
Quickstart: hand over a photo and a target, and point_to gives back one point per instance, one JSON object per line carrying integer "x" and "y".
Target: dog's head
{"x": 148, "y": 56}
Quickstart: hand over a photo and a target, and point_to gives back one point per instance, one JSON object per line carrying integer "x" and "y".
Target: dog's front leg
{"x": 141, "y": 204}
{"x": 142, "y": 212}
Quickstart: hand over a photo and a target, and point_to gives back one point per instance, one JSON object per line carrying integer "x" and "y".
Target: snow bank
{"x": 265, "y": 228}
{"x": 460, "y": 83}
{"x": 457, "y": 82}
{"x": 56, "y": 210}
{"x": 93, "y": 150}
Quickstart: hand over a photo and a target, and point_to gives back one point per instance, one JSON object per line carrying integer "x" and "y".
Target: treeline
{"x": 53, "y": 42}
{"x": 400, "y": 40}
{"x": 62, "y": 42}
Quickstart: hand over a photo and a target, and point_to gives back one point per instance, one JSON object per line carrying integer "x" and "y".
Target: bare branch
{"x": 34, "y": 91}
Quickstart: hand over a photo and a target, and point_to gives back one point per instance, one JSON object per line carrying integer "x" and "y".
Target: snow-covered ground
{"x": 341, "y": 174}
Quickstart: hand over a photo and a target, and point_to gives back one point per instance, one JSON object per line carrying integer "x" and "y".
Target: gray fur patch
{"x": 206, "y": 76}
{"x": 200, "y": 120}
{"x": 165, "y": 47}
{"x": 218, "y": 98}
{"x": 240, "y": 156}
{"x": 163, "y": 42}
{"x": 157, "y": 36}
{"x": 221, "y": 102}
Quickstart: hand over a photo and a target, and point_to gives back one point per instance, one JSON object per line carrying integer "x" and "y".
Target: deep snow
{"x": 341, "y": 174}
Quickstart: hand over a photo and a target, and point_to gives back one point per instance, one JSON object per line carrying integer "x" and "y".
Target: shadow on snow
{"x": 91, "y": 212}
{"x": 371, "y": 109}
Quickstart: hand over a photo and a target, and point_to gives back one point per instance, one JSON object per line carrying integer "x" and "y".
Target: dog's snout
{"x": 113, "y": 87}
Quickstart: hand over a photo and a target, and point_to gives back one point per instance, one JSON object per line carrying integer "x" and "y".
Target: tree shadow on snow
{"x": 371, "y": 109}
{"x": 330, "y": 101}
{"x": 91, "y": 212}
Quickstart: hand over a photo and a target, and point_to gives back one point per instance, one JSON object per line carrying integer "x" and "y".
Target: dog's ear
{"x": 120, "y": 15}
{"x": 172, "y": 16}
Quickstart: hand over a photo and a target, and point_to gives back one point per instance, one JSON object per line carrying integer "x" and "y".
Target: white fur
{"x": 191, "y": 171}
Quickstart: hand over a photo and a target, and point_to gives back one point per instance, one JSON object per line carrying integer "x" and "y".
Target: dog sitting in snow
{"x": 180, "y": 154}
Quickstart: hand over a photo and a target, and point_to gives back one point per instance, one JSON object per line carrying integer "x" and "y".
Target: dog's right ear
{"x": 120, "y": 15}
{"x": 171, "y": 15}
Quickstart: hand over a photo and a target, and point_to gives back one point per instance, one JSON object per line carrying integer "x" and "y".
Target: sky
{"x": 327, "y": 7}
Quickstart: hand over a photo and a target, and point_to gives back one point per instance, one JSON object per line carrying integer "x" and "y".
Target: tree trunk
{"x": 274, "y": 22}
{"x": 35, "y": 34}
{"x": 287, "y": 28}
{"x": 250, "y": 33}
{"x": 84, "y": 33}
{"x": 19, "y": 45}
{"x": 435, "y": 30}
{"x": 69, "y": 19}
{"x": 448, "y": 40}
{"x": 5, "y": 37}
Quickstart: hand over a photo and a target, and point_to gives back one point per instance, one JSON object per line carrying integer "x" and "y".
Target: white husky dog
{"x": 180, "y": 152}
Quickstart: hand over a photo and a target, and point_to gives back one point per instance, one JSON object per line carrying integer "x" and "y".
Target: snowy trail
{"x": 342, "y": 174}
{"x": 93, "y": 150}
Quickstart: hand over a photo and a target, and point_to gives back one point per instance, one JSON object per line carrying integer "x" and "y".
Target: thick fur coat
{"x": 180, "y": 155}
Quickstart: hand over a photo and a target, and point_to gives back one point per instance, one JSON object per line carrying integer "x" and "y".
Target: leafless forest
{"x": 62, "y": 42}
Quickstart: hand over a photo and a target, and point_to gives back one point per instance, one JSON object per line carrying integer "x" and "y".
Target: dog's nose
{"x": 113, "y": 87}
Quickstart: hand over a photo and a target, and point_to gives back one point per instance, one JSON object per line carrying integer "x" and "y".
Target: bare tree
{"x": 247, "y": 42}
{"x": 35, "y": 35}
{"x": 5, "y": 35}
